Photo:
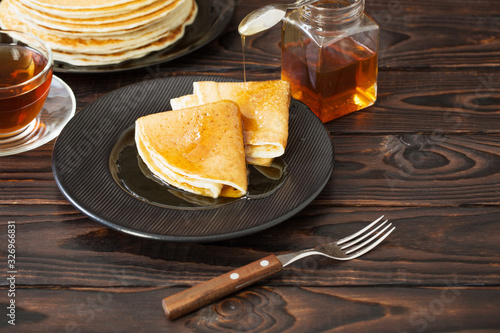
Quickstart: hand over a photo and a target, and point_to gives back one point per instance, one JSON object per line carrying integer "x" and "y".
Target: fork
{"x": 346, "y": 248}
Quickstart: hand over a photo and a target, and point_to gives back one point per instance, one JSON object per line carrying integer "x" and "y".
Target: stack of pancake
{"x": 100, "y": 32}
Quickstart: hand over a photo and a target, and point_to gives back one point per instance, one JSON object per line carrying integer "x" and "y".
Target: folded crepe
{"x": 199, "y": 149}
{"x": 188, "y": 197}
{"x": 264, "y": 107}
{"x": 274, "y": 171}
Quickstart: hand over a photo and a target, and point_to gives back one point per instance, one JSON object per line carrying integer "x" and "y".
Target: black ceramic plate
{"x": 85, "y": 170}
{"x": 213, "y": 17}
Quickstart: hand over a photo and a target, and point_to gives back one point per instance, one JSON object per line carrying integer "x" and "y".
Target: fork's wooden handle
{"x": 194, "y": 298}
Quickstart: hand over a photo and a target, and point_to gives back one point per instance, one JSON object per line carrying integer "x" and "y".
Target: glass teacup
{"x": 26, "y": 67}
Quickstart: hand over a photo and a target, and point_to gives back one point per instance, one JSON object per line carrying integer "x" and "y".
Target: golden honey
{"x": 329, "y": 56}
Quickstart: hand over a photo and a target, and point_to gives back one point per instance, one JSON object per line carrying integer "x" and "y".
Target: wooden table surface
{"x": 426, "y": 155}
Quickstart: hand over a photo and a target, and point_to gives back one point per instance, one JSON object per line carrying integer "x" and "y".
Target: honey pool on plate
{"x": 130, "y": 172}
{"x": 20, "y": 103}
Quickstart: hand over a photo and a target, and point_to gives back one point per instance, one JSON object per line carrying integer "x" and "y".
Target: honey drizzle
{"x": 244, "y": 62}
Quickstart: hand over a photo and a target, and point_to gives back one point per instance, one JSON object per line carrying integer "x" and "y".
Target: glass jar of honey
{"x": 329, "y": 56}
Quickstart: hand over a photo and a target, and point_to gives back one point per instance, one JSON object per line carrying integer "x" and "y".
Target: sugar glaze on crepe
{"x": 199, "y": 149}
{"x": 264, "y": 106}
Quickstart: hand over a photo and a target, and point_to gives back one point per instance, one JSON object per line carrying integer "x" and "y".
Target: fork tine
{"x": 348, "y": 238}
{"x": 374, "y": 237}
{"x": 359, "y": 239}
{"x": 373, "y": 245}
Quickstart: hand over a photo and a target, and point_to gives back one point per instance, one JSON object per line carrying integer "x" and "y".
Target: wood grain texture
{"x": 429, "y": 246}
{"x": 386, "y": 170}
{"x": 416, "y": 169}
{"x": 429, "y": 102}
{"x": 264, "y": 309}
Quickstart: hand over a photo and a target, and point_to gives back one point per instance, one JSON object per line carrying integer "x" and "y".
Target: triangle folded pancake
{"x": 264, "y": 106}
{"x": 199, "y": 149}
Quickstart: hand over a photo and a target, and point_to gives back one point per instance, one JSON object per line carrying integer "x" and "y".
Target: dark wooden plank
{"x": 416, "y": 169}
{"x": 408, "y": 102}
{"x": 377, "y": 170}
{"x": 457, "y": 7}
{"x": 262, "y": 309}
{"x": 27, "y": 178}
{"x": 435, "y": 36}
{"x": 428, "y": 102}
{"x": 55, "y": 246}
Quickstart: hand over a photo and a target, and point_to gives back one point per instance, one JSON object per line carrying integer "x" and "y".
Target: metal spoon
{"x": 266, "y": 17}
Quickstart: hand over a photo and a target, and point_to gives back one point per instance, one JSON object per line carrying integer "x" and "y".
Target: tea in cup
{"x": 26, "y": 67}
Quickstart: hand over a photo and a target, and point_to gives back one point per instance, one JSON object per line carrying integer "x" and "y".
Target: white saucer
{"x": 58, "y": 109}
